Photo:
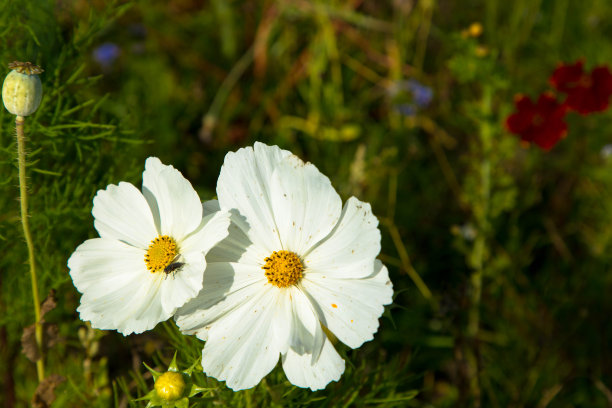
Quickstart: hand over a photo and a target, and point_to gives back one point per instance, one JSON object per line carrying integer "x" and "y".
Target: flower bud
{"x": 170, "y": 386}
{"x": 22, "y": 89}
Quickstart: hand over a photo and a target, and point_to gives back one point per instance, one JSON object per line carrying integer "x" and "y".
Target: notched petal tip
{"x": 153, "y": 163}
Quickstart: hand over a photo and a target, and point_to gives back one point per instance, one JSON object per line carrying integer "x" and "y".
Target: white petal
{"x": 105, "y": 264}
{"x": 183, "y": 284}
{"x": 121, "y": 212}
{"x": 118, "y": 292}
{"x": 283, "y": 322}
{"x": 350, "y": 308}
{"x": 306, "y": 206}
{"x": 153, "y": 167}
{"x": 210, "y": 206}
{"x": 233, "y": 275}
{"x": 226, "y": 287}
{"x": 211, "y": 231}
{"x": 349, "y": 251}
{"x": 300, "y": 370}
{"x": 143, "y": 311}
{"x": 296, "y": 323}
{"x": 244, "y": 184}
{"x": 241, "y": 348}
{"x": 175, "y": 203}
{"x": 237, "y": 246}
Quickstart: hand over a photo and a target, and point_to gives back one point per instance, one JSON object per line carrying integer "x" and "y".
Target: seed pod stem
{"x": 23, "y": 198}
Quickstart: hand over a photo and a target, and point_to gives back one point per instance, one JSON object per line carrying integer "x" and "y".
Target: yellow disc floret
{"x": 160, "y": 253}
{"x": 283, "y": 268}
{"x": 170, "y": 386}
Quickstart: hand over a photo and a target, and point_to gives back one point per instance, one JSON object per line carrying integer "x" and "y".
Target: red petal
{"x": 523, "y": 103}
{"x": 547, "y": 104}
{"x": 564, "y": 78}
{"x": 519, "y": 122}
{"x": 602, "y": 87}
{"x": 550, "y": 134}
{"x": 602, "y": 78}
{"x": 596, "y": 96}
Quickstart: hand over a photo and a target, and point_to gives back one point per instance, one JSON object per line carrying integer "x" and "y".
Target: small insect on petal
{"x": 172, "y": 268}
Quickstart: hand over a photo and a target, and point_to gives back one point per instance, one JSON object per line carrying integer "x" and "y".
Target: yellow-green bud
{"x": 170, "y": 386}
{"x": 22, "y": 89}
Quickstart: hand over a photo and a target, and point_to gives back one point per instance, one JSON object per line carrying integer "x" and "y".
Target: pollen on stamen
{"x": 283, "y": 268}
{"x": 162, "y": 250}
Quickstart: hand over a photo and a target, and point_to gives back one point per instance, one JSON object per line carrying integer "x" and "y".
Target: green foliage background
{"x": 499, "y": 254}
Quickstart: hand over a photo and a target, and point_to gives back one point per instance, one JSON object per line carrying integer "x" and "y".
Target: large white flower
{"x": 295, "y": 262}
{"x": 150, "y": 257}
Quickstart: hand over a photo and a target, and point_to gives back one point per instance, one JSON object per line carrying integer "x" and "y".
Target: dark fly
{"x": 173, "y": 267}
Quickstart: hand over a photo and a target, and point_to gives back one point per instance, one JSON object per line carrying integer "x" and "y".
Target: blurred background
{"x": 500, "y": 252}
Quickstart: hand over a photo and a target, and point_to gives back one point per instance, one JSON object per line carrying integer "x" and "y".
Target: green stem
{"x": 399, "y": 244}
{"x": 407, "y": 264}
{"x": 23, "y": 196}
{"x": 482, "y": 219}
{"x": 421, "y": 45}
{"x": 209, "y": 121}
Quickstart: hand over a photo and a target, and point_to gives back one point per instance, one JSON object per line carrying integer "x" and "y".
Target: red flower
{"x": 540, "y": 123}
{"x": 586, "y": 93}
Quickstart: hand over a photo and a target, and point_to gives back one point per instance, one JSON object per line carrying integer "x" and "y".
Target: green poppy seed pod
{"x": 22, "y": 89}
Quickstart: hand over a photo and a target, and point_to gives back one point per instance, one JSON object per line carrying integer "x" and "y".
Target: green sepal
{"x": 154, "y": 399}
{"x": 173, "y": 366}
{"x": 193, "y": 366}
{"x": 195, "y": 389}
{"x": 182, "y": 403}
{"x": 152, "y": 371}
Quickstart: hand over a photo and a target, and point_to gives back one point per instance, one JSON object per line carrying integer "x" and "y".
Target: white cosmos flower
{"x": 295, "y": 261}
{"x": 150, "y": 257}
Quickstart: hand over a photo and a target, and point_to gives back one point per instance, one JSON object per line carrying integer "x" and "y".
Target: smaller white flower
{"x": 150, "y": 257}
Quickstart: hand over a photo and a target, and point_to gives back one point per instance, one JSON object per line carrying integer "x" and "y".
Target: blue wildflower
{"x": 421, "y": 94}
{"x": 410, "y": 96}
{"x": 106, "y": 54}
{"x": 406, "y": 109}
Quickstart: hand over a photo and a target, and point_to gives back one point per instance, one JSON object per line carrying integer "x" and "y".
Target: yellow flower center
{"x": 170, "y": 386}
{"x": 162, "y": 250}
{"x": 283, "y": 268}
